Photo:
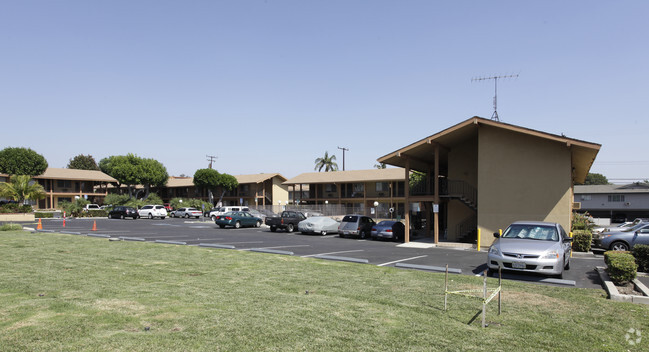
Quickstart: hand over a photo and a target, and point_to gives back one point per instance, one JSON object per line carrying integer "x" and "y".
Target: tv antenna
{"x": 494, "y": 116}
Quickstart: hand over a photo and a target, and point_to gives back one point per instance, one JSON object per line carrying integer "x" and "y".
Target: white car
{"x": 152, "y": 211}
{"x": 186, "y": 213}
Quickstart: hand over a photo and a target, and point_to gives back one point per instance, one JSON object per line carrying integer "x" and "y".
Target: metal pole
{"x": 445, "y": 286}
{"x": 500, "y": 300}
{"x": 484, "y": 297}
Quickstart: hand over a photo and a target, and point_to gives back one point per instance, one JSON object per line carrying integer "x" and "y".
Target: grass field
{"x": 65, "y": 292}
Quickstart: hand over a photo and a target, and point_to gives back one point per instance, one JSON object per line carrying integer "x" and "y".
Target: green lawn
{"x": 66, "y": 292}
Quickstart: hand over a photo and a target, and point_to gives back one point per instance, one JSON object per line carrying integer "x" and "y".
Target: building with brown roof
{"x": 482, "y": 175}
{"x": 67, "y": 184}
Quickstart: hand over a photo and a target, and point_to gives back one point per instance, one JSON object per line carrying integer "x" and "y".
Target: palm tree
{"x": 327, "y": 162}
{"x": 21, "y": 188}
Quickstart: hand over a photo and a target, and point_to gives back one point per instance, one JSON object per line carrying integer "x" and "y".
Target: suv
{"x": 222, "y": 210}
{"x": 356, "y": 225}
{"x": 122, "y": 212}
{"x": 153, "y": 211}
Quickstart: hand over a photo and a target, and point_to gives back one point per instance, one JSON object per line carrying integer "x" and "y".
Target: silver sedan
{"x": 531, "y": 246}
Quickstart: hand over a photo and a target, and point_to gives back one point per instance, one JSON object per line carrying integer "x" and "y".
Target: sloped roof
{"x": 242, "y": 179}
{"x": 371, "y": 175}
{"x": 52, "y": 173}
{"x": 603, "y": 189}
{"x": 583, "y": 153}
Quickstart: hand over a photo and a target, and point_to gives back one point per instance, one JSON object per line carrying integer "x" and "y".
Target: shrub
{"x": 641, "y": 254}
{"x": 39, "y": 214}
{"x": 581, "y": 240}
{"x": 15, "y": 208}
{"x": 11, "y": 227}
{"x": 74, "y": 208}
{"x": 581, "y": 221}
{"x": 621, "y": 266}
{"x": 96, "y": 213}
{"x": 190, "y": 202}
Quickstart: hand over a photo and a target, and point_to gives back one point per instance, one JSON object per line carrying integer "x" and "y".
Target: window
{"x": 330, "y": 187}
{"x": 359, "y": 187}
{"x": 382, "y": 186}
{"x": 616, "y": 198}
{"x": 64, "y": 183}
{"x": 586, "y": 197}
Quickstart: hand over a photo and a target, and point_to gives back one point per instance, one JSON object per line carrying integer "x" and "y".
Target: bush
{"x": 581, "y": 240}
{"x": 190, "y": 202}
{"x": 581, "y": 222}
{"x": 15, "y": 208}
{"x": 621, "y": 266}
{"x": 42, "y": 215}
{"x": 74, "y": 208}
{"x": 641, "y": 254}
{"x": 10, "y": 227}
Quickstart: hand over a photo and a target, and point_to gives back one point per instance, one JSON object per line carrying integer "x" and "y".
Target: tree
{"x": 326, "y": 162}
{"x": 22, "y": 161}
{"x": 83, "y": 162}
{"x": 131, "y": 170}
{"x": 21, "y": 188}
{"x": 596, "y": 179}
{"x": 211, "y": 180}
{"x": 380, "y": 166}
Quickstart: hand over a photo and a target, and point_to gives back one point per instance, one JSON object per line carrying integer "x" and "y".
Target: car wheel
{"x": 362, "y": 234}
{"x": 323, "y": 233}
{"x": 258, "y": 224}
{"x": 273, "y": 228}
{"x": 289, "y": 228}
{"x": 237, "y": 225}
{"x": 619, "y": 246}
{"x": 122, "y": 217}
{"x": 135, "y": 217}
{"x": 150, "y": 216}
{"x": 186, "y": 216}
{"x": 213, "y": 217}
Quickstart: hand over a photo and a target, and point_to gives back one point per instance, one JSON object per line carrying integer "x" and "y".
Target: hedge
{"x": 39, "y": 214}
{"x": 621, "y": 266}
{"x": 93, "y": 214}
{"x": 641, "y": 254}
{"x": 581, "y": 240}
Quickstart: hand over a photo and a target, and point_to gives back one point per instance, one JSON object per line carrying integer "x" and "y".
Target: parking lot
{"x": 414, "y": 255}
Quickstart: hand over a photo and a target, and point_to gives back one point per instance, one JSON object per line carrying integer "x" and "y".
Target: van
{"x": 222, "y": 210}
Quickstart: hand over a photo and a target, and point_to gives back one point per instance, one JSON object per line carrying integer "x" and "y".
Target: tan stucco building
{"x": 483, "y": 174}
{"x": 66, "y": 184}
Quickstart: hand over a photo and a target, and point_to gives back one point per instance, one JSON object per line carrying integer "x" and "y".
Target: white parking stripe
{"x": 402, "y": 260}
{"x": 301, "y": 245}
{"x": 313, "y": 255}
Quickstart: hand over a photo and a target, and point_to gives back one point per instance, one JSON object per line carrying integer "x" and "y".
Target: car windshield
{"x": 532, "y": 232}
{"x": 385, "y": 223}
{"x": 350, "y": 218}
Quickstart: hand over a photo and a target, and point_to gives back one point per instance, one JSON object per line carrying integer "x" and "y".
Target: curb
{"x": 615, "y": 295}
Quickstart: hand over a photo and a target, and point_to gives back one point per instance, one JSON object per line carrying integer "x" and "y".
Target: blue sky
{"x": 269, "y": 86}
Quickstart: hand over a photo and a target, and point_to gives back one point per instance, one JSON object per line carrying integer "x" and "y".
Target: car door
{"x": 641, "y": 237}
{"x": 566, "y": 244}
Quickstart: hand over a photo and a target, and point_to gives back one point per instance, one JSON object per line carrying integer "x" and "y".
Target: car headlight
{"x": 551, "y": 255}
{"x": 494, "y": 250}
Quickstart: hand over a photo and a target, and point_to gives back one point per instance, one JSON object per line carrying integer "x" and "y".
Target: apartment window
{"x": 382, "y": 186}
{"x": 616, "y": 198}
{"x": 330, "y": 187}
{"x": 586, "y": 197}
{"x": 359, "y": 187}
{"x": 64, "y": 183}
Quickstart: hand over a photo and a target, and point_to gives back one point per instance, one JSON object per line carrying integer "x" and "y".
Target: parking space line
{"x": 402, "y": 260}
{"x": 313, "y": 255}
{"x": 300, "y": 245}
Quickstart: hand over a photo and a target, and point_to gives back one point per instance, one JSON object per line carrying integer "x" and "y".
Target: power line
{"x": 211, "y": 159}
{"x": 343, "y": 149}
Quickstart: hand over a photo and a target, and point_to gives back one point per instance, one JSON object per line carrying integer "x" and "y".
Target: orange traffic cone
{"x": 94, "y": 225}
{"x": 40, "y": 226}
{"x": 63, "y": 222}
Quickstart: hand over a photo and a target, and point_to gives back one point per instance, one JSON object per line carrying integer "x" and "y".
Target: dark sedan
{"x": 394, "y": 230}
{"x": 122, "y": 212}
{"x": 237, "y": 219}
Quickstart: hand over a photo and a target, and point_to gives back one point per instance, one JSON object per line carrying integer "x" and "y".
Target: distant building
{"x": 617, "y": 202}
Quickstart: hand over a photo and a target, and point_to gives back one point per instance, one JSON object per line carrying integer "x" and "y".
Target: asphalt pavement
{"x": 417, "y": 255}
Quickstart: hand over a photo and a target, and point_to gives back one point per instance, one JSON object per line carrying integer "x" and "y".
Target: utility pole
{"x": 211, "y": 159}
{"x": 344, "y": 150}
{"x": 494, "y": 116}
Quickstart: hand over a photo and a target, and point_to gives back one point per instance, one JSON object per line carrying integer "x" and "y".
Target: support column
{"x": 406, "y": 193}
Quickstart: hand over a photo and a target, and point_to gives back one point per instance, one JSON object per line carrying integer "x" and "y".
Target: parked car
{"x": 186, "y": 213}
{"x": 153, "y": 211}
{"x": 394, "y": 230}
{"x": 597, "y": 237}
{"x": 89, "y": 207}
{"x": 531, "y": 246}
{"x": 237, "y": 219}
{"x": 620, "y": 227}
{"x": 123, "y": 212}
{"x": 318, "y": 224}
{"x": 624, "y": 240}
{"x": 287, "y": 220}
{"x": 356, "y": 225}
{"x": 222, "y": 210}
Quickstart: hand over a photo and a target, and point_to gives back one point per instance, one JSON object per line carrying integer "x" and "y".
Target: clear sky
{"x": 269, "y": 86}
